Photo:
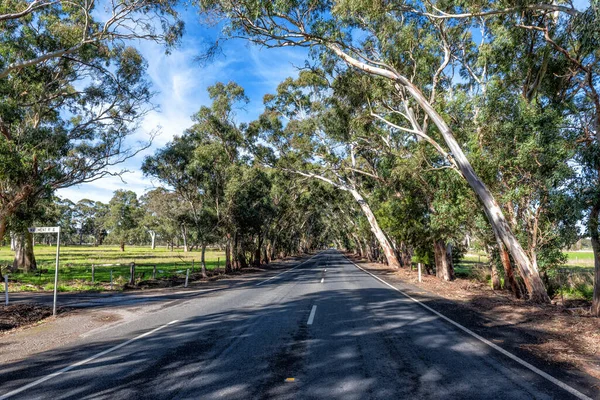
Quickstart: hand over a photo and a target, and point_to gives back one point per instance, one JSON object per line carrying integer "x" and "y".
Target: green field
{"x": 580, "y": 259}
{"x": 75, "y": 271}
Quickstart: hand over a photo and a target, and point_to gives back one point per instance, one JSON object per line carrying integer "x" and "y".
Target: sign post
{"x": 51, "y": 229}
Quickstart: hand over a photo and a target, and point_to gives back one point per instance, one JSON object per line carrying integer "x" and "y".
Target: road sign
{"x": 44, "y": 229}
{"x": 51, "y": 229}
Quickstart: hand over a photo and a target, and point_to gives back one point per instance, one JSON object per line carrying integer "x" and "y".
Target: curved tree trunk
{"x": 530, "y": 275}
{"x": 24, "y": 257}
{"x": 385, "y": 244}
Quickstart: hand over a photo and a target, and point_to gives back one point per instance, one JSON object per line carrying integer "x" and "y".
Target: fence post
{"x": 192, "y": 266}
{"x": 154, "y": 272}
{"x": 218, "y": 265}
{"x": 6, "y": 287}
{"x": 93, "y": 272}
{"x": 132, "y": 273}
{"x": 187, "y": 276}
{"x": 111, "y": 281}
{"x": 419, "y": 272}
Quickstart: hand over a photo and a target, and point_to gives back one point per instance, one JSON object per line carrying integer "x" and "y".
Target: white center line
{"x": 311, "y": 317}
{"x": 80, "y": 363}
{"x": 284, "y": 272}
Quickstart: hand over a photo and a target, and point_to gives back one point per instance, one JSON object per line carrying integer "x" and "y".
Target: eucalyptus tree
{"x": 71, "y": 91}
{"x": 564, "y": 65}
{"x": 533, "y": 87}
{"x": 198, "y": 164}
{"x": 385, "y": 46}
{"x": 124, "y": 217}
{"x": 162, "y": 214}
{"x": 314, "y": 135}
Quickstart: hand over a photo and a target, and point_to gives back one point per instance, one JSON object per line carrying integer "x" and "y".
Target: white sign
{"x": 51, "y": 229}
{"x": 45, "y": 229}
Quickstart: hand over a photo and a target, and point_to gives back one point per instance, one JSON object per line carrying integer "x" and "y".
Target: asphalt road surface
{"x": 305, "y": 333}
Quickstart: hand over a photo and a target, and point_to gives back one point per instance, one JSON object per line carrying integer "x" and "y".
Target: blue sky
{"x": 181, "y": 83}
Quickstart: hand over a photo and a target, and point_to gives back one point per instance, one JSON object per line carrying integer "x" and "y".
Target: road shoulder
{"x": 554, "y": 345}
{"x": 90, "y": 313}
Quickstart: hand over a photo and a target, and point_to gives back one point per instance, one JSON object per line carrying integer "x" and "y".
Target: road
{"x": 305, "y": 333}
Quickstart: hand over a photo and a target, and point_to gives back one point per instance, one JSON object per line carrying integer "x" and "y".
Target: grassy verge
{"x": 571, "y": 281}
{"x": 75, "y": 271}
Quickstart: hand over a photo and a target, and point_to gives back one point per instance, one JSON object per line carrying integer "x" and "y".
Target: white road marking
{"x": 311, "y": 317}
{"x": 80, "y": 363}
{"x": 286, "y": 271}
{"x": 524, "y": 363}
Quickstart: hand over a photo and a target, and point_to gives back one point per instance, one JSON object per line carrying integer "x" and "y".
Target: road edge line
{"x": 494, "y": 346}
{"x": 80, "y": 363}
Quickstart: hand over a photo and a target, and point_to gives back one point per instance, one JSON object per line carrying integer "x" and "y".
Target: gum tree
{"x": 382, "y": 27}
{"x": 71, "y": 92}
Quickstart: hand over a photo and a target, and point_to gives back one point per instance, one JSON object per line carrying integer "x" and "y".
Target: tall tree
{"x": 383, "y": 51}
{"x": 124, "y": 217}
{"x": 71, "y": 91}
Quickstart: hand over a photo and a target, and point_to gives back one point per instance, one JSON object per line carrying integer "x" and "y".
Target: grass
{"x": 75, "y": 271}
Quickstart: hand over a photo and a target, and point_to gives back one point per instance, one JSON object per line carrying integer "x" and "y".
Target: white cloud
{"x": 181, "y": 83}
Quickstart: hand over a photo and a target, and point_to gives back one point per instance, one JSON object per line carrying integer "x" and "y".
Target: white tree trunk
{"x": 530, "y": 275}
{"x": 184, "y": 237}
{"x": 153, "y": 237}
{"x": 385, "y": 244}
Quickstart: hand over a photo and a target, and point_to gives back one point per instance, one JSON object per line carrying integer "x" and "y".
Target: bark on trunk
{"x": 228, "y": 254}
{"x": 122, "y": 246}
{"x": 184, "y": 238}
{"x": 595, "y": 237}
{"x": 24, "y": 257}
{"x": 203, "y": 261}
{"x": 530, "y": 275}
{"x": 509, "y": 275}
{"x": 443, "y": 264}
{"x": 494, "y": 277}
{"x": 257, "y": 252}
{"x": 153, "y": 238}
{"x": 385, "y": 244}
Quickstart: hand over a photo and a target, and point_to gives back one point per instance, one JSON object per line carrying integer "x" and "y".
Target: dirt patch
{"x": 561, "y": 332}
{"x": 18, "y": 315}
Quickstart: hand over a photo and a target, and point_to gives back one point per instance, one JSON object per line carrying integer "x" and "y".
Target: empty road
{"x": 305, "y": 333}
